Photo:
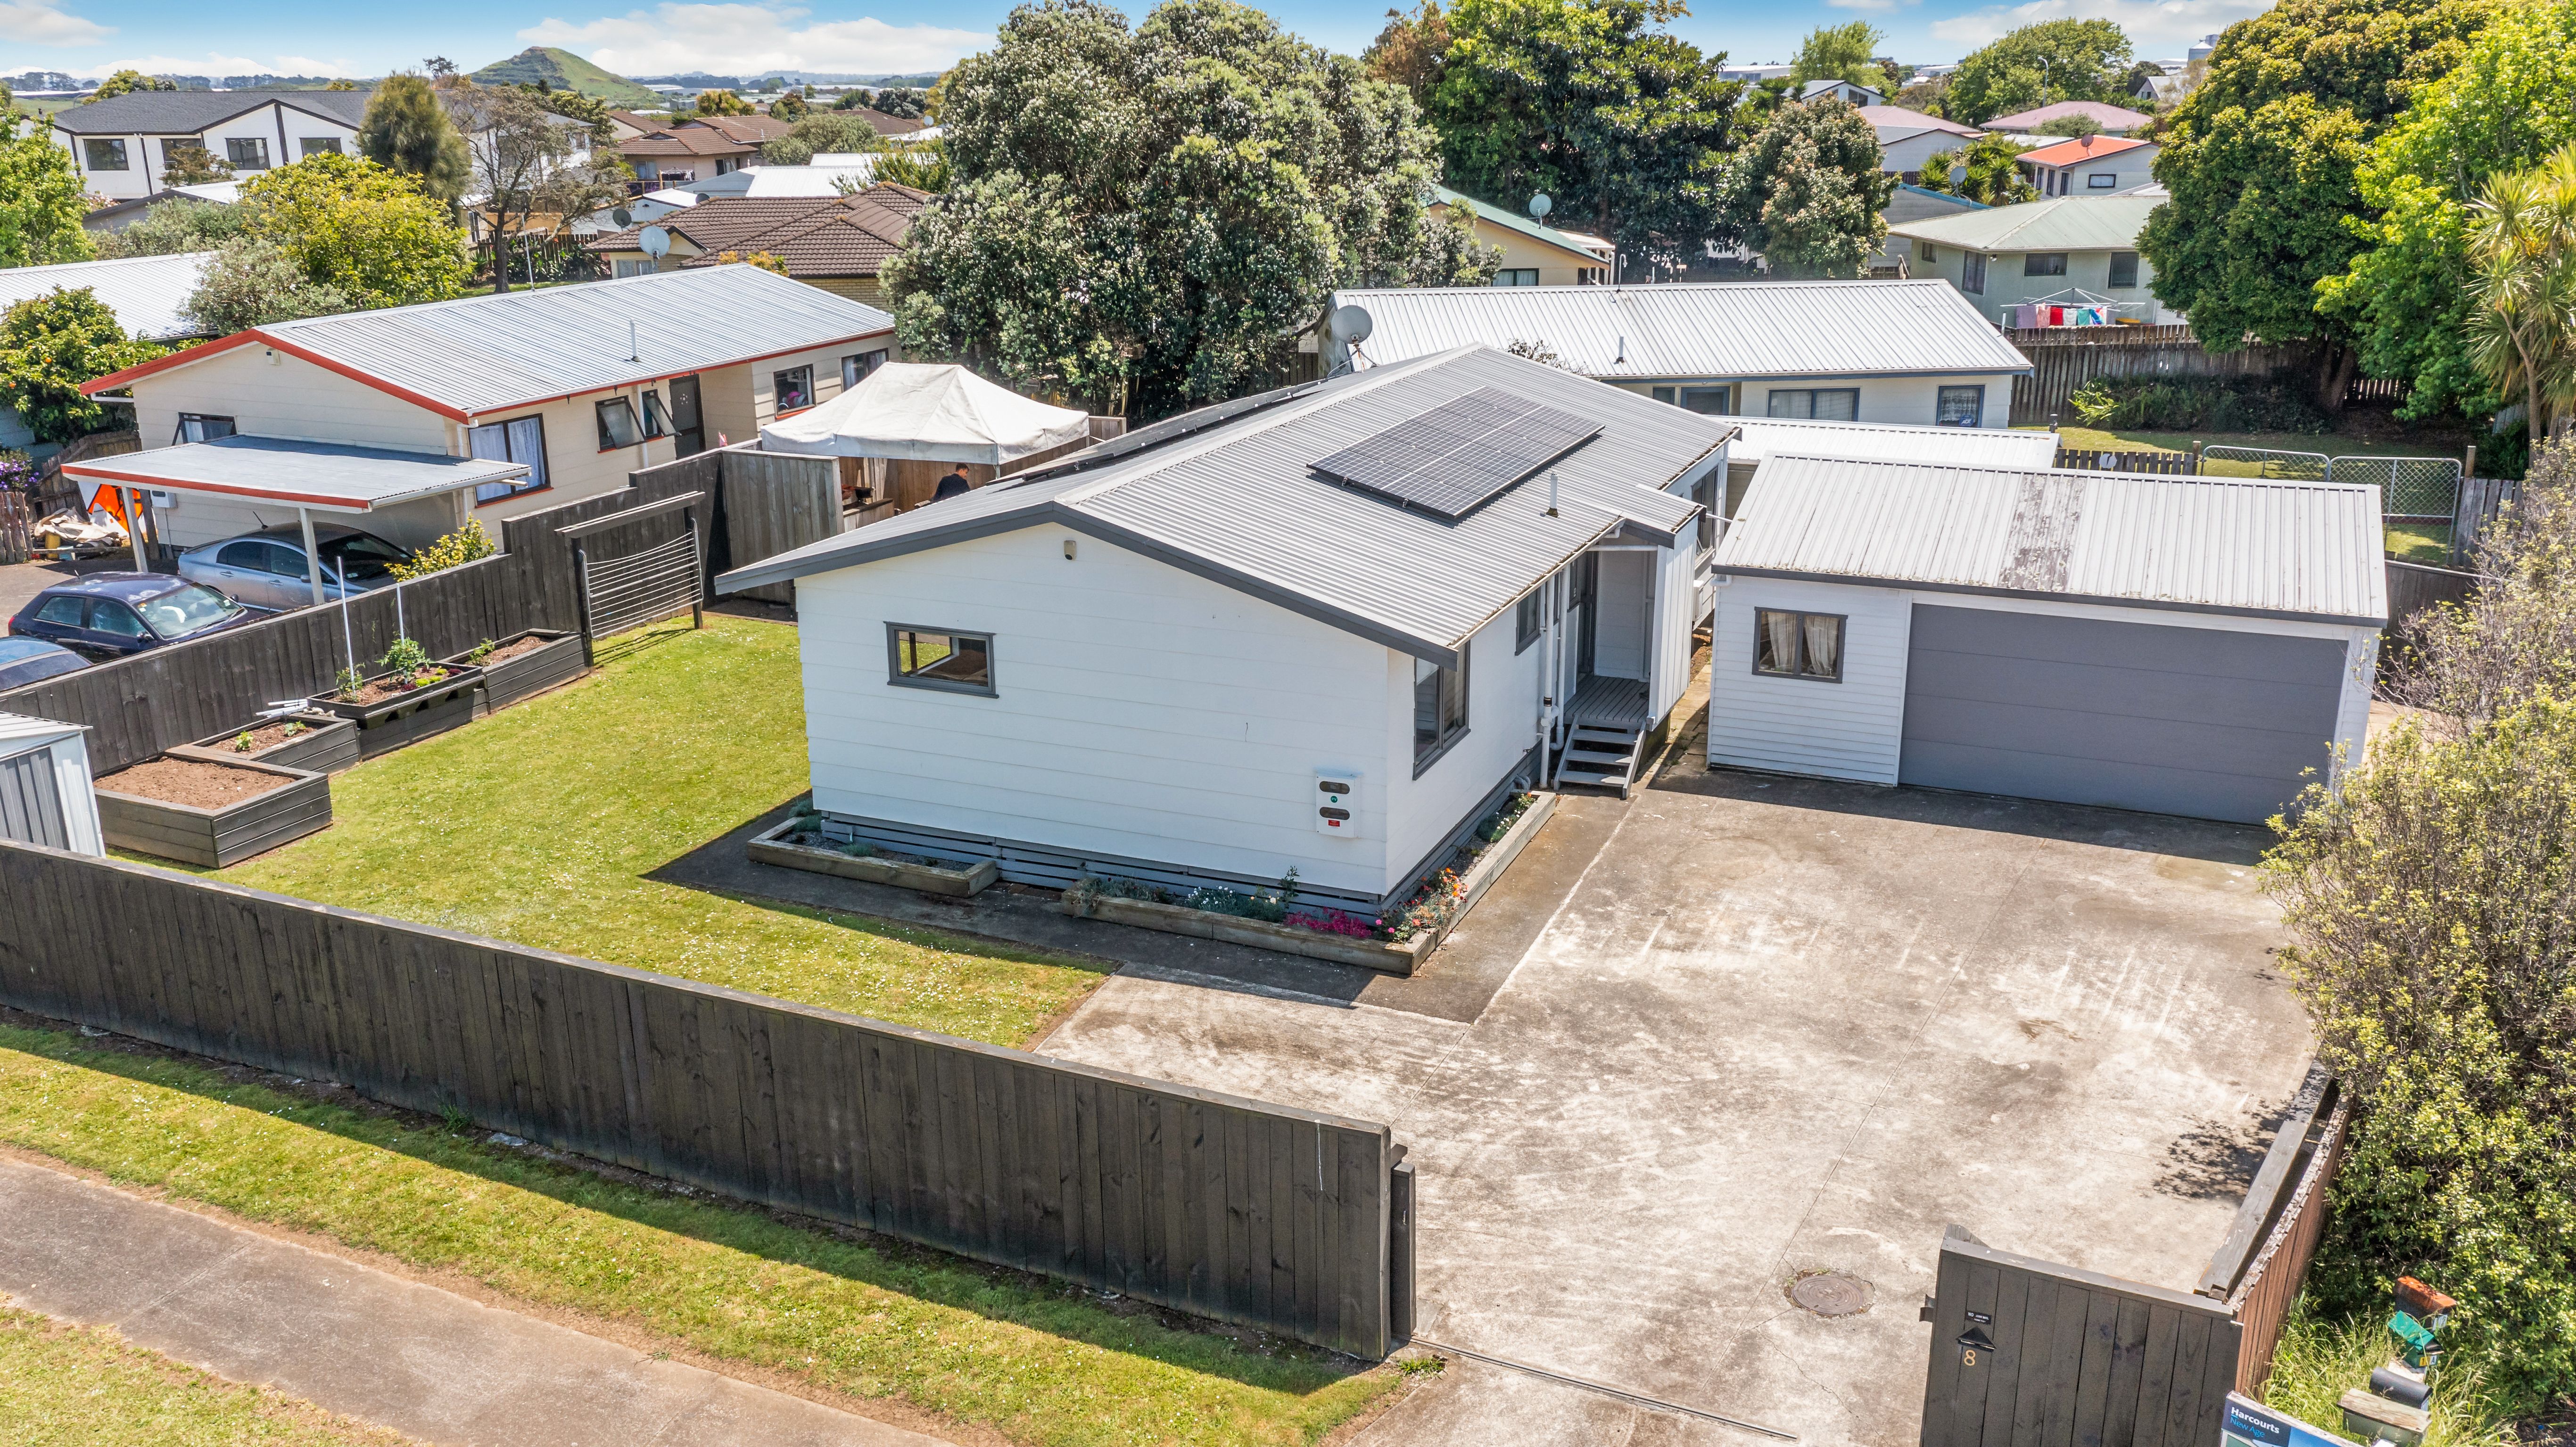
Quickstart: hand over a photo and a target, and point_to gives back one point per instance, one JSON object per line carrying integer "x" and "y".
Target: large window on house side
{"x": 1972, "y": 272}
{"x": 617, "y": 427}
{"x": 938, "y": 658}
{"x": 318, "y": 145}
{"x": 1798, "y": 645}
{"x": 1822, "y": 404}
{"x": 854, "y": 368}
{"x": 1707, "y": 401}
{"x": 105, "y": 155}
{"x": 247, "y": 153}
{"x": 2124, "y": 269}
{"x": 1960, "y": 407}
{"x": 520, "y": 439}
{"x": 1439, "y": 710}
{"x": 2043, "y": 263}
{"x": 1516, "y": 276}
{"x": 198, "y": 427}
{"x": 792, "y": 389}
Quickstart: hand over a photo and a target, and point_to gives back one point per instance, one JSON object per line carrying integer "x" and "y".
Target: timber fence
{"x": 2064, "y": 359}
{"x": 2260, "y": 1267}
{"x": 1230, "y": 1208}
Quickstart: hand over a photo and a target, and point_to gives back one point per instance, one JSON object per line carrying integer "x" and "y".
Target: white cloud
{"x": 42, "y": 22}
{"x": 2155, "y": 27}
{"x": 211, "y": 64}
{"x": 675, "y": 38}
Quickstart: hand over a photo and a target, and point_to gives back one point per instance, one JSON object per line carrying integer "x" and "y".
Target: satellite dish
{"x": 1348, "y": 324}
{"x": 655, "y": 241}
{"x": 1540, "y": 205}
{"x": 623, "y": 217}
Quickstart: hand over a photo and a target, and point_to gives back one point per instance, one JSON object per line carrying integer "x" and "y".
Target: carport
{"x": 2179, "y": 645}
{"x": 342, "y": 482}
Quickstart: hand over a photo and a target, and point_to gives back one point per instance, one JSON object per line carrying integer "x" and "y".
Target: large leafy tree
{"x": 171, "y": 227}
{"x": 361, "y": 228}
{"x": 1625, "y": 125}
{"x": 1143, "y": 218}
{"x": 526, "y": 162}
{"x": 49, "y": 346}
{"x": 1808, "y": 193}
{"x": 41, "y": 203}
{"x": 2038, "y": 65}
{"x": 825, "y": 132}
{"x": 1408, "y": 52}
{"x": 405, "y": 129}
{"x": 2262, "y": 158}
{"x": 2508, "y": 101}
{"x": 252, "y": 282}
{"x": 126, "y": 82}
{"x": 1841, "y": 52}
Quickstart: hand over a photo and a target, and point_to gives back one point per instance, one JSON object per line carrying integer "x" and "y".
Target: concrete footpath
{"x": 357, "y": 1341}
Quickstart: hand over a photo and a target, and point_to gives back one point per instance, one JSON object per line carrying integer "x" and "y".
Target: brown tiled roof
{"x": 817, "y": 237}
{"x": 753, "y": 129}
{"x": 891, "y": 125}
{"x": 686, "y": 142}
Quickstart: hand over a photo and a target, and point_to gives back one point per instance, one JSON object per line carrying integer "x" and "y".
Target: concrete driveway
{"x": 1775, "y": 1027}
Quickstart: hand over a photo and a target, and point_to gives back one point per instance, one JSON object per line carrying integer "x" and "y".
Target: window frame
{"x": 95, "y": 146}
{"x": 856, "y": 367}
{"x": 539, "y": 478}
{"x": 1926, "y": 252}
{"x": 897, "y": 678}
{"x": 1770, "y": 403}
{"x": 2101, "y": 180}
{"x": 179, "y": 434}
{"x": 317, "y": 146}
{"x": 2112, "y": 280}
{"x": 238, "y": 150}
{"x": 2031, "y": 263}
{"x": 1529, "y": 619}
{"x": 623, "y": 267}
{"x": 777, "y": 407}
{"x": 1515, "y": 273}
{"x": 657, "y": 416}
{"x": 1725, "y": 400}
{"x": 1972, "y": 272}
{"x": 1941, "y": 398}
{"x": 1842, "y": 646}
{"x": 601, "y": 411}
{"x": 1445, "y": 736}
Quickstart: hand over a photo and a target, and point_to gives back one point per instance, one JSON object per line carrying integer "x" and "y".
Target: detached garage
{"x": 2180, "y": 645}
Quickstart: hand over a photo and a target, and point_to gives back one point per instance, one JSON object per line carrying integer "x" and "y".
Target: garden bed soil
{"x": 193, "y": 782}
{"x": 526, "y": 664}
{"x": 326, "y": 744}
{"x": 901, "y": 871}
{"x": 210, "y": 813}
{"x": 386, "y": 688}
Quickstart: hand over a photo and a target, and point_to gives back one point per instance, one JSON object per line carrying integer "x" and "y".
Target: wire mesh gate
{"x": 2411, "y": 489}
{"x": 629, "y": 590}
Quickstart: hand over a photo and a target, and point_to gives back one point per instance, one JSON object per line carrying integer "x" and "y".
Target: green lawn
{"x": 540, "y": 824}
{"x": 72, "y": 1386}
{"x": 1038, "y": 1361}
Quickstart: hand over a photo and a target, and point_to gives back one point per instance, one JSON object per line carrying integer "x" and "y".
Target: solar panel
{"x": 1451, "y": 459}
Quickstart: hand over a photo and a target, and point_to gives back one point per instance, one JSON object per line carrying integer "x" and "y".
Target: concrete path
{"x": 366, "y": 1344}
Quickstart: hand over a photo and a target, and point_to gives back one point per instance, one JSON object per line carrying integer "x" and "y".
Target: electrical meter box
{"x": 1336, "y": 804}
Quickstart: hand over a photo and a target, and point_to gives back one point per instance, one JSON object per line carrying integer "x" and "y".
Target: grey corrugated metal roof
{"x": 2303, "y": 550}
{"x": 1708, "y": 329}
{"x": 1889, "y": 442}
{"x": 1239, "y": 502}
{"x": 315, "y": 474}
{"x": 149, "y": 294}
{"x": 2064, "y": 223}
{"x": 186, "y": 112}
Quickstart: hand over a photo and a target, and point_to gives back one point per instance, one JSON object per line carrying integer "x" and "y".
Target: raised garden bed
{"x": 524, "y": 665}
{"x": 389, "y": 715}
{"x": 313, "y": 740}
{"x": 781, "y": 846}
{"x": 1388, "y": 956}
{"x": 208, "y": 812}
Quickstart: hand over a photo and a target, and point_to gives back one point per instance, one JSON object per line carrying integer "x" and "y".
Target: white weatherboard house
{"x": 1419, "y": 580}
{"x": 2181, "y": 645}
{"x": 1866, "y": 351}
{"x": 121, "y": 146}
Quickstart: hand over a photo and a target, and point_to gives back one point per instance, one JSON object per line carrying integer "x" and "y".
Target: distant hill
{"x": 565, "y": 71}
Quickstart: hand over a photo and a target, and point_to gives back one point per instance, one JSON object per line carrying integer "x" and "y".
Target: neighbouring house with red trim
{"x": 578, "y": 385}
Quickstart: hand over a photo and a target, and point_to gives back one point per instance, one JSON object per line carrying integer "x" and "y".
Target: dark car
{"x": 112, "y": 615}
{"x": 32, "y": 660}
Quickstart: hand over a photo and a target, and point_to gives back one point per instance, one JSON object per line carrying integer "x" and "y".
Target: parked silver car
{"x": 268, "y": 568}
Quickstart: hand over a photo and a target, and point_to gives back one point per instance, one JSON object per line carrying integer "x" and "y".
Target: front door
{"x": 688, "y": 423}
{"x": 1587, "y": 595}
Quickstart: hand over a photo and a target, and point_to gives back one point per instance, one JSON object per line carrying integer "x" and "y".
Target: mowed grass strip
{"x": 75, "y": 1386}
{"x": 1039, "y": 1361}
{"x": 539, "y": 826}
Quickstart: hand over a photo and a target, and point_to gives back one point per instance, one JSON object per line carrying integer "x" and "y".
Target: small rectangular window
{"x": 2101, "y": 181}
{"x": 1527, "y": 615}
{"x": 1707, "y": 401}
{"x": 197, "y": 427}
{"x": 1439, "y": 710}
{"x": 318, "y": 145}
{"x": 2043, "y": 263}
{"x": 105, "y": 155}
{"x": 1960, "y": 407}
{"x": 2124, "y": 269}
{"x": 792, "y": 389}
{"x": 1972, "y": 273}
{"x": 1516, "y": 276}
{"x": 657, "y": 423}
{"x": 1798, "y": 645}
{"x": 247, "y": 153}
{"x": 854, "y": 368}
{"x": 1821, "y": 404}
{"x": 1667, "y": 396}
{"x": 633, "y": 268}
{"x": 1926, "y": 253}
{"x": 939, "y": 658}
{"x": 617, "y": 425}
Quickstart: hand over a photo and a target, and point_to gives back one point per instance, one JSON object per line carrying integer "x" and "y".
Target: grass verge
{"x": 543, "y": 825}
{"x": 1035, "y": 1360}
{"x": 2319, "y": 1360}
{"x": 76, "y": 1386}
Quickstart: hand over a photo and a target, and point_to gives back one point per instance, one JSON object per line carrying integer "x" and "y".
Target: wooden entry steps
{"x": 1598, "y": 756}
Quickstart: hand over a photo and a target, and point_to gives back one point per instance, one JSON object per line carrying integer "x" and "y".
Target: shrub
{"x": 2209, "y": 404}
{"x": 465, "y": 545}
{"x": 405, "y": 657}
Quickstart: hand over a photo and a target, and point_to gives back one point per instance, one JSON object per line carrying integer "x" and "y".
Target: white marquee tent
{"x": 928, "y": 413}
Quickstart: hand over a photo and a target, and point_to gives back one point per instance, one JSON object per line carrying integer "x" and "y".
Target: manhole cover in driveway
{"x": 1831, "y": 1293}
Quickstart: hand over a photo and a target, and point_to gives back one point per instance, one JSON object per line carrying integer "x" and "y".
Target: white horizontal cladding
{"x": 1503, "y": 691}
{"x": 1852, "y": 729}
{"x": 1138, "y": 710}
{"x": 1911, "y": 401}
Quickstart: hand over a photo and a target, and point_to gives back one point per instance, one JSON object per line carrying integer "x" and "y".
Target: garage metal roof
{"x": 2310, "y": 551}
{"x": 149, "y": 294}
{"x": 308, "y": 474}
{"x": 1716, "y": 330}
{"x": 1889, "y": 442}
{"x": 1240, "y": 502}
{"x": 485, "y": 354}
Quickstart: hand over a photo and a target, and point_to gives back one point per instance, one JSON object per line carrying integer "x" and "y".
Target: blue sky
{"x": 338, "y": 38}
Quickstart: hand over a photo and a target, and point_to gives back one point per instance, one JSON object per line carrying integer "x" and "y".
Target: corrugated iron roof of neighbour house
{"x": 483, "y": 354}
{"x": 149, "y": 294}
{"x": 186, "y": 112}
{"x": 2066, "y": 223}
{"x": 1713, "y": 329}
{"x": 1887, "y": 442}
{"x": 2303, "y": 550}
{"x": 1241, "y": 501}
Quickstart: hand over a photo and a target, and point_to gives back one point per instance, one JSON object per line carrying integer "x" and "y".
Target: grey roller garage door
{"x": 2196, "y": 721}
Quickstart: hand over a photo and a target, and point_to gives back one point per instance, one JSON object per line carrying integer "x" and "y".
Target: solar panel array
{"x": 1452, "y": 458}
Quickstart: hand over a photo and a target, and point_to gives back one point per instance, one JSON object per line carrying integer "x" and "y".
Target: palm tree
{"x": 2522, "y": 323}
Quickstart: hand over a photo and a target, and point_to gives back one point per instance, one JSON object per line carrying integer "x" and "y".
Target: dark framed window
{"x": 792, "y": 389}
{"x": 1924, "y": 252}
{"x": 318, "y": 145}
{"x": 939, "y": 658}
{"x": 1666, "y": 395}
{"x": 1516, "y": 276}
{"x": 247, "y": 153}
{"x": 2101, "y": 181}
{"x": 2043, "y": 263}
{"x": 657, "y": 422}
{"x": 2124, "y": 269}
{"x": 1707, "y": 401}
{"x": 617, "y": 425}
{"x": 857, "y": 366}
{"x": 1821, "y": 404}
{"x": 1798, "y": 645}
{"x": 1960, "y": 407}
{"x": 105, "y": 155}
{"x": 198, "y": 427}
{"x": 1972, "y": 272}
{"x": 1527, "y": 615}
{"x": 1439, "y": 710}
{"x": 520, "y": 439}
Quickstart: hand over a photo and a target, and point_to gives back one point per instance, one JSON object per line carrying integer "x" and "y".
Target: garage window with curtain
{"x": 521, "y": 439}
{"x": 1959, "y": 407}
{"x": 1798, "y": 645}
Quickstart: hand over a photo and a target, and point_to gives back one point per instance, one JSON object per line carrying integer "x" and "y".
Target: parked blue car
{"x": 114, "y": 615}
{"x": 32, "y": 660}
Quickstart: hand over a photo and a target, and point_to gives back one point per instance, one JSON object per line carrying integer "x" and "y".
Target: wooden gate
{"x": 2028, "y": 1353}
